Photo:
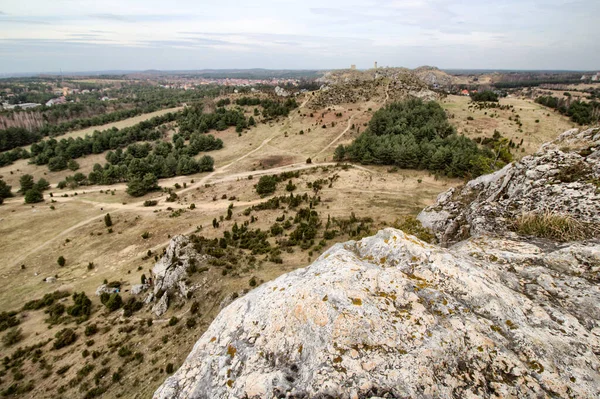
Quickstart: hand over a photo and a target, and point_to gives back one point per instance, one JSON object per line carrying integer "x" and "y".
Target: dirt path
{"x": 387, "y": 93}
{"x": 20, "y": 259}
{"x": 337, "y": 138}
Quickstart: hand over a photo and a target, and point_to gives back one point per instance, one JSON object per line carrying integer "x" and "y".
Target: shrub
{"x": 12, "y": 336}
{"x": 114, "y": 302}
{"x": 169, "y": 368}
{"x": 174, "y": 320}
{"x": 64, "y": 337}
{"x": 124, "y": 351}
{"x": 266, "y": 185}
{"x": 61, "y": 261}
{"x": 26, "y": 182}
{"x": 290, "y": 186}
{"x": 107, "y": 220}
{"x": 150, "y": 202}
{"x": 8, "y": 319}
{"x": 190, "y": 323}
{"x": 33, "y": 196}
{"x": 412, "y": 225}
{"x": 63, "y": 369}
{"x": 195, "y": 307}
{"x": 131, "y": 306}
{"x": 145, "y": 235}
{"x": 82, "y": 306}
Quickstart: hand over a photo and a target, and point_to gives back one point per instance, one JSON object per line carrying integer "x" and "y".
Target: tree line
{"x": 271, "y": 108}
{"x": 417, "y": 135}
{"x": 57, "y": 153}
{"x": 583, "y": 113}
{"x": 193, "y": 119}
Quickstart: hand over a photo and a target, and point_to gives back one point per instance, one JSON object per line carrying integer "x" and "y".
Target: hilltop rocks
{"x": 395, "y": 317}
{"x": 562, "y": 177}
{"x": 351, "y": 86}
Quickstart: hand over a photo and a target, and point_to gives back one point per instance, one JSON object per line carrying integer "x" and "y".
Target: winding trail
{"x": 337, "y": 138}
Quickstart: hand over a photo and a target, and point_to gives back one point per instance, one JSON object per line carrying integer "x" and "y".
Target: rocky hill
{"x": 352, "y": 86}
{"x": 499, "y": 314}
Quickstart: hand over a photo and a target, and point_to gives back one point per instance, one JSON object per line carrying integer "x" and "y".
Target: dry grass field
{"x": 539, "y": 124}
{"x": 70, "y": 224}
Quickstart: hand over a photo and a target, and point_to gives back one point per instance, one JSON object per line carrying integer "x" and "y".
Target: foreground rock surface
{"x": 392, "y": 316}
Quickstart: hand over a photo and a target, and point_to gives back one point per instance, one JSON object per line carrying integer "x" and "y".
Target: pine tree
{"x": 107, "y": 220}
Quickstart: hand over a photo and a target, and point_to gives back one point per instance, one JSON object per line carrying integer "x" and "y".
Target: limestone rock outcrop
{"x": 563, "y": 177}
{"x": 171, "y": 272}
{"x": 392, "y": 316}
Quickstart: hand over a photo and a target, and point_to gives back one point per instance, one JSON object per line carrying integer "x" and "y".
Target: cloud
{"x": 312, "y": 34}
{"x": 132, "y": 18}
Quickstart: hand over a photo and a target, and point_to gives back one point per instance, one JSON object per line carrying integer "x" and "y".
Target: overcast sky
{"x": 91, "y": 35}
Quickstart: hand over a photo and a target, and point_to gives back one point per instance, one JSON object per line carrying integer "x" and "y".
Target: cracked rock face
{"x": 171, "y": 272}
{"x": 562, "y": 177}
{"x": 392, "y": 316}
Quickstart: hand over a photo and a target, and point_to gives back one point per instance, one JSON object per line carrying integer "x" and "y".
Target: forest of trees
{"x": 142, "y": 164}
{"x": 583, "y": 113}
{"x": 271, "y": 108}
{"x": 57, "y": 153}
{"x": 193, "y": 119}
{"x": 486, "y": 95}
{"x": 17, "y": 136}
{"x": 129, "y": 101}
{"x": 417, "y": 135}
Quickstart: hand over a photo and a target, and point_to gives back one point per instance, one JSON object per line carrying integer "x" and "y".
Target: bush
{"x": 26, "y": 182}
{"x": 107, "y": 220}
{"x": 169, "y": 368}
{"x": 114, "y": 302}
{"x": 174, "y": 320}
{"x": 42, "y": 184}
{"x": 411, "y": 225}
{"x": 131, "y": 306}
{"x": 124, "y": 351}
{"x": 82, "y": 306}
{"x": 8, "y": 319}
{"x": 266, "y": 185}
{"x": 145, "y": 235}
{"x": 33, "y": 196}
{"x": 190, "y": 323}
{"x": 64, "y": 337}
{"x": 61, "y": 261}
{"x": 150, "y": 202}
{"x": 90, "y": 330}
{"x": 12, "y": 336}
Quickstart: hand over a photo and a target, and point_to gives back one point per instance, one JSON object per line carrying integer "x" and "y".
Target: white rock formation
{"x": 391, "y": 315}
{"x": 562, "y": 177}
{"x": 103, "y": 288}
{"x": 281, "y": 92}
